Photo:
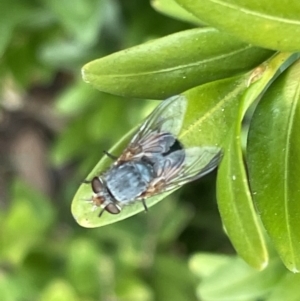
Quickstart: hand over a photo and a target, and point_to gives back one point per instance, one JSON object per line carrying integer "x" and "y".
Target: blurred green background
{"x": 53, "y": 129}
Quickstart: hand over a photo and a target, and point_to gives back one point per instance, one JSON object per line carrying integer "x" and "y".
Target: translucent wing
{"x": 183, "y": 166}
{"x": 158, "y": 133}
{"x": 198, "y": 162}
{"x": 167, "y": 116}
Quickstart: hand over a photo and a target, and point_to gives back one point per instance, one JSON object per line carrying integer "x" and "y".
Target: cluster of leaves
{"x": 247, "y": 58}
{"x": 45, "y": 256}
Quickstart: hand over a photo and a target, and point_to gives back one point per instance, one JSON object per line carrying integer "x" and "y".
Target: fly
{"x": 154, "y": 161}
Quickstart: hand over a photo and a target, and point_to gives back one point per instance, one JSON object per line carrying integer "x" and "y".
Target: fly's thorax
{"x": 127, "y": 181}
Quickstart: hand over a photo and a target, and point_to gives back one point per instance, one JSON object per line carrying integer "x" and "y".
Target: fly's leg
{"x": 101, "y": 212}
{"x": 144, "y": 204}
{"x": 110, "y": 155}
{"x": 86, "y": 182}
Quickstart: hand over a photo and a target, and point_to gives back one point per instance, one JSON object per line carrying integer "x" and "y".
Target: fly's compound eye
{"x": 113, "y": 208}
{"x": 97, "y": 185}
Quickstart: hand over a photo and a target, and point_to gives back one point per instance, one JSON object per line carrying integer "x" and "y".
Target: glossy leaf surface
{"x": 173, "y": 64}
{"x": 205, "y": 264}
{"x": 274, "y": 164}
{"x": 269, "y": 24}
{"x": 234, "y": 198}
{"x": 236, "y": 207}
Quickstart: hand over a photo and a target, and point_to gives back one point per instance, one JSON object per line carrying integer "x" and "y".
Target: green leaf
{"x": 175, "y": 281}
{"x": 14, "y": 286}
{"x": 173, "y": 64}
{"x": 270, "y": 24}
{"x": 31, "y": 214}
{"x": 205, "y": 264}
{"x": 12, "y": 14}
{"x": 274, "y": 164}
{"x": 287, "y": 289}
{"x": 234, "y": 198}
{"x": 86, "y": 129}
{"x": 237, "y": 281}
{"x": 76, "y": 99}
{"x": 211, "y": 111}
{"x": 6, "y": 31}
{"x": 82, "y": 20}
{"x": 236, "y": 207}
{"x": 131, "y": 287}
{"x": 59, "y": 290}
{"x": 82, "y": 265}
{"x": 172, "y": 219}
{"x": 172, "y": 9}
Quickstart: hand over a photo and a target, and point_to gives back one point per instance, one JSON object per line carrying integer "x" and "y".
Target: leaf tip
{"x": 84, "y": 74}
{"x": 82, "y": 221}
{"x": 263, "y": 264}
{"x": 293, "y": 268}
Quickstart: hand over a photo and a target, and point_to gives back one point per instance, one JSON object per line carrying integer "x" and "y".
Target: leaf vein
{"x": 256, "y": 13}
{"x": 286, "y": 167}
{"x": 186, "y": 66}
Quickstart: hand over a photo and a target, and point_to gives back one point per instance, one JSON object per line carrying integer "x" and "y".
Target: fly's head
{"x": 102, "y": 198}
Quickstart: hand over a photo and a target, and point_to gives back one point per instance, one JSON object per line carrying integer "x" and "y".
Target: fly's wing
{"x": 158, "y": 133}
{"x": 199, "y": 161}
{"x": 166, "y": 117}
{"x": 187, "y": 165}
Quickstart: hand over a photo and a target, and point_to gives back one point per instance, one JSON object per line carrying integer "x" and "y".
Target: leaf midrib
{"x": 230, "y": 96}
{"x": 286, "y": 167}
{"x": 256, "y": 13}
{"x": 172, "y": 69}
